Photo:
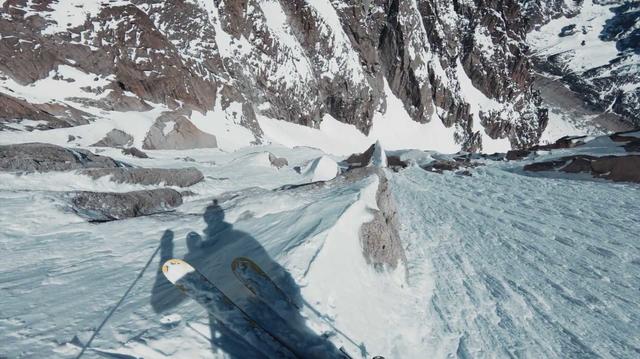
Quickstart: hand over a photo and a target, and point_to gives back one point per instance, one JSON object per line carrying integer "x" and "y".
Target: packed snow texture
{"x": 546, "y": 269}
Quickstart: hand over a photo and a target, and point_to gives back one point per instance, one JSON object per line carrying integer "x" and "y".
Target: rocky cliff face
{"x": 461, "y": 63}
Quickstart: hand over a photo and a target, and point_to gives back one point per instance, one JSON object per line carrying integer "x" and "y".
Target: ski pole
{"x": 113, "y": 310}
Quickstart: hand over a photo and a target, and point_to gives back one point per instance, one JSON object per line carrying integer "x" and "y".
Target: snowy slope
{"x": 546, "y": 269}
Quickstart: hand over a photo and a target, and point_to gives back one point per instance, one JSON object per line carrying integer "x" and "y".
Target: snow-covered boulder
{"x": 180, "y": 177}
{"x": 103, "y": 206}
{"x": 323, "y": 168}
{"x": 42, "y": 157}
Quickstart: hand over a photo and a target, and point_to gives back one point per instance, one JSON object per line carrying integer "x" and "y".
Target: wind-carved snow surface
{"x": 548, "y": 269}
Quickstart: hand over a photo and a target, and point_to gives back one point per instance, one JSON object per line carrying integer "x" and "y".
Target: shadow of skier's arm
{"x": 165, "y": 295}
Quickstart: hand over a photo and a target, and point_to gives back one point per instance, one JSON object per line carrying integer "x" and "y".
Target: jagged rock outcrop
{"x": 277, "y": 162}
{"x": 180, "y": 177}
{"x": 176, "y": 132}
{"x": 380, "y": 240}
{"x": 104, "y": 206}
{"x": 132, "y": 151}
{"x": 46, "y": 116}
{"x": 368, "y": 158}
{"x": 42, "y": 157}
{"x": 614, "y": 168}
{"x": 290, "y": 60}
{"x": 115, "y": 138}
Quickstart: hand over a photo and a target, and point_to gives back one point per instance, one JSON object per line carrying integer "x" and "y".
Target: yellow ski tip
{"x": 174, "y": 269}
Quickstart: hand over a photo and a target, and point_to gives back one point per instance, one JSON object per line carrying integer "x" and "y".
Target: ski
{"x": 264, "y": 288}
{"x": 198, "y": 287}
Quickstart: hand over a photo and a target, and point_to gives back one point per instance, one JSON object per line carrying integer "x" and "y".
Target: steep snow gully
{"x": 500, "y": 264}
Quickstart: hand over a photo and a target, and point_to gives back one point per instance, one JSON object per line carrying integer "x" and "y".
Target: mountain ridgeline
{"x": 463, "y": 63}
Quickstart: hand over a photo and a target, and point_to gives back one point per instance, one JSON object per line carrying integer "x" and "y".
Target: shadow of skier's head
{"x": 214, "y": 218}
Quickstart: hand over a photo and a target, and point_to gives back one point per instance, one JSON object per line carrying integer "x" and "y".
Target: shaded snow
{"x": 323, "y": 168}
{"x": 545, "y": 269}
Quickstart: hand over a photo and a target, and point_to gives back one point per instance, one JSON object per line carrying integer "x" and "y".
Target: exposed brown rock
{"x": 631, "y": 143}
{"x": 618, "y": 168}
{"x": 115, "y": 138}
{"x": 42, "y": 157}
{"x": 439, "y": 166}
{"x": 179, "y": 177}
{"x": 363, "y": 159}
{"x": 381, "y": 244}
{"x": 278, "y": 162}
{"x": 615, "y": 168}
{"x": 101, "y": 206}
{"x": 544, "y": 166}
{"x": 181, "y": 136}
{"x": 564, "y": 142}
{"x": 14, "y": 110}
{"x": 579, "y": 164}
{"x": 514, "y": 155}
{"x": 132, "y": 151}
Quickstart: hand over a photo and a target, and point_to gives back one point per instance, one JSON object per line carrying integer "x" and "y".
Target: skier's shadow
{"x": 212, "y": 256}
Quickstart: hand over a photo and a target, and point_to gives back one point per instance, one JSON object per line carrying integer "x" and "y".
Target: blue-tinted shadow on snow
{"x": 212, "y": 254}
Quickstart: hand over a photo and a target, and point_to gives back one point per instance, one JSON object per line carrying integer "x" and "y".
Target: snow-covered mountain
{"x": 420, "y": 178}
{"x": 237, "y": 69}
{"x": 591, "y": 47}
